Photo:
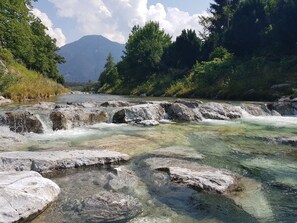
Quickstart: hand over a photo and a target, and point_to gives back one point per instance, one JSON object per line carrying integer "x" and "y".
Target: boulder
{"x": 70, "y": 117}
{"x": 285, "y": 106}
{"x": 23, "y": 121}
{"x": 190, "y": 104}
{"x": 46, "y": 161}
{"x": 115, "y": 104}
{"x": 106, "y": 207}
{"x": 255, "y": 110}
{"x": 138, "y": 113}
{"x": 246, "y": 193}
{"x": 23, "y": 195}
{"x": 220, "y": 111}
{"x": 180, "y": 112}
{"x": 196, "y": 176}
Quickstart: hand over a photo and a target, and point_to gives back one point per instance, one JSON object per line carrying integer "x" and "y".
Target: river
{"x": 246, "y": 146}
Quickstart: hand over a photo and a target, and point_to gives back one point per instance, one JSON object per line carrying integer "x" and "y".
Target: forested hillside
{"x": 247, "y": 50}
{"x": 28, "y": 55}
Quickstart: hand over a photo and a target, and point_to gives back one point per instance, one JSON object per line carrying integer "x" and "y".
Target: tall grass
{"x": 21, "y": 84}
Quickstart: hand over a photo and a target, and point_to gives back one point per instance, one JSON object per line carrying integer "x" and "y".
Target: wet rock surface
{"x": 23, "y": 195}
{"x": 47, "y": 161}
{"x": 285, "y": 106}
{"x": 193, "y": 175}
{"x": 23, "y": 121}
{"x": 138, "y": 113}
{"x": 70, "y": 117}
{"x": 106, "y": 207}
{"x": 180, "y": 112}
{"x": 244, "y": 192}
{"x": 220, "y": 111}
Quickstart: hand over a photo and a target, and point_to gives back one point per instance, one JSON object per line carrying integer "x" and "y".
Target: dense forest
{"x": 247, "y": 50}
{"x": 27, "y": 53}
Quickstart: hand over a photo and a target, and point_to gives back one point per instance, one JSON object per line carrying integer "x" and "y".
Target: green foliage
{"x": 246, "y": 48}
{"x": 184, "y": 52}
{"x": 110, "y": 73}
{"x": 143, "y": 51}
{"x": 24, "y": 36}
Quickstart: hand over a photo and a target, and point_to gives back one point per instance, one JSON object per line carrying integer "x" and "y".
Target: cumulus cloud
{"x": 115, "y": 18}
{"x": 53, "y": 32}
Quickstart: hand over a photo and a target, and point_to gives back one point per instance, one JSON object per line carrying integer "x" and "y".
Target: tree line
{"x": 24, "y": 37}
{"x": 245, "y": 48}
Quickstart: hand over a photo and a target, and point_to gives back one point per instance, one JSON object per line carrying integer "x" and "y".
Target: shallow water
{"x": 245, "y": 146}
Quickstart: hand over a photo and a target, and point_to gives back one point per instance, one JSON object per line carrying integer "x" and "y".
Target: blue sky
{"x": 69, "y": 20}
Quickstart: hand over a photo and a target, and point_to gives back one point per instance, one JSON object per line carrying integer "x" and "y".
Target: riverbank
{"x": 198, "y": 161}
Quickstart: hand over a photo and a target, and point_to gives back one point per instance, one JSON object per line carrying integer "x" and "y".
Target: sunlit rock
{"x": 138, "y": 113}
{"x": 23, "y": 195}
{"x": 246, "y": 193}
{"x": 180, "y": 112}
{"x": 46, "y": 161}
{"x": 220, "y": 111}
{"x": 23, "y": 121}
{"x": 70, "y": 117}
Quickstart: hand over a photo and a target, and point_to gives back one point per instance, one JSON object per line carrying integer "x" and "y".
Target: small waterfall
{"x": 46, "y": 122}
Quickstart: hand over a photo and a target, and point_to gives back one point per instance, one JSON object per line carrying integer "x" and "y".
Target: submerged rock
{"x": 23, "y": 121}
{"x": 220, "y": 111}
{"x": 246, "y": 193}
{"x": 23, "y": 195}
{"x": 106, "y": 207}
{"x": 47, "y": 161}
{"x": 70, "y": 117}
{"x": 181, "y": 112}
{"x": 138, "y": 113}
{"x": 178, "y": 151}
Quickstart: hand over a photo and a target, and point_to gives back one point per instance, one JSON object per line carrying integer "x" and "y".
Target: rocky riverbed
{"x": 187, "y": 161}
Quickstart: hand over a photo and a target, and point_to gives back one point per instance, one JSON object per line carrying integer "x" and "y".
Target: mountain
{"x": 86, "y": 57}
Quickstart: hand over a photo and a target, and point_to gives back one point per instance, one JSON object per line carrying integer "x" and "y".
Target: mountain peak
{"x": 85, "y": 58}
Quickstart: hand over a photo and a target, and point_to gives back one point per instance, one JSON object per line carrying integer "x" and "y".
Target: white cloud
{"x": 53, "y": 32}
{"x": 115, "y": 18}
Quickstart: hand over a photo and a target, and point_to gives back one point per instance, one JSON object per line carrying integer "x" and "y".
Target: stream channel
{"x": 245, "y": 146}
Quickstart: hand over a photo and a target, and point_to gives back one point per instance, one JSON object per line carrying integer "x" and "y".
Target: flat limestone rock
{"x": 194, "y": 175}
{"x": 246, "y": 193}
{"x": 46, "y": 161}
{"x": 25, "y": 194}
